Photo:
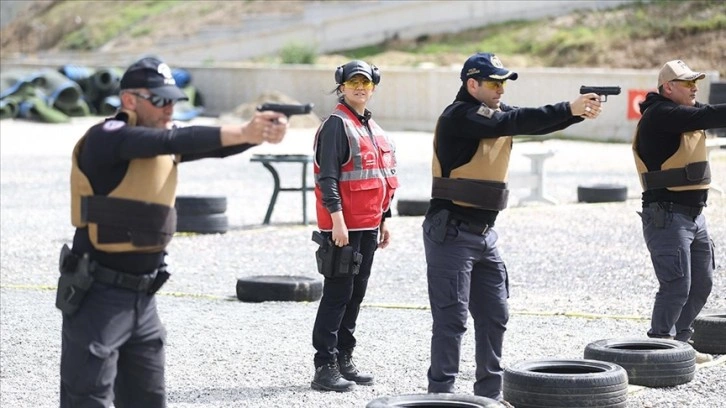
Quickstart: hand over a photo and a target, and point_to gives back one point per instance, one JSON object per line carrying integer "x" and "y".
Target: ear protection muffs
{"x": 372, "y": 69}
{"x": 375, "y": 75}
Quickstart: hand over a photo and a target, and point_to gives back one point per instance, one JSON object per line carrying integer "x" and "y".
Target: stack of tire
{"x": 648, "y": 362}
{"x": 709, "y": 332}
{"x": 201, "y": 214}
{"x": 601, "y": 379}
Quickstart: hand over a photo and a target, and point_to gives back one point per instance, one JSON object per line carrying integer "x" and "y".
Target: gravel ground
{"x": 579, "y": 273}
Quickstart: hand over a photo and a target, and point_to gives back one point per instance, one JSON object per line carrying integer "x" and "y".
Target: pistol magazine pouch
{"x": 337, "y": 262}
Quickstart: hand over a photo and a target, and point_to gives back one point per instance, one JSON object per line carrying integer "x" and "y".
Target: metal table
{"x": 268, "y": 160}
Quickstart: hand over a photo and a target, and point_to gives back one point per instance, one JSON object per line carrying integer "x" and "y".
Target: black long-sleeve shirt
{"x": 659, "y": 136}
{"x": 460, "y": 129}
{"x": 104, "y": 159}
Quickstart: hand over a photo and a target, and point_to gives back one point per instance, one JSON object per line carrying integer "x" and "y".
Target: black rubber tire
{"x": 709, "y": 332}
{"x": 434, "y": 401}
{"x": 602, "y": 193}
{"x": 412, "y": 207}
{"x": 565, "y": 383}
{"x": 202, "y": 224}
{"x": 284, "y": 288}
{"x": 648, "y": 362}
{"x": 200, "y": 205}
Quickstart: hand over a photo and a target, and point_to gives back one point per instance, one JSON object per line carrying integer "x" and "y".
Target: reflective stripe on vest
{"x": 368, "y": 178}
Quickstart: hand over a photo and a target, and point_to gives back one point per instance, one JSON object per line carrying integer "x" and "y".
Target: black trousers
{"x": 338, "y": 310}
{"x": 113, "y": 352}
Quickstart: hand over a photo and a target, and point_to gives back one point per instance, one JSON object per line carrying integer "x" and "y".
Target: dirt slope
{"x": 41, "y": 27}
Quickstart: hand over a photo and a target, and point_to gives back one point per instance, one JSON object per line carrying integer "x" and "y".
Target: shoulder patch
{"x": 113, "y": 125}
{"x": 485, "y": 111}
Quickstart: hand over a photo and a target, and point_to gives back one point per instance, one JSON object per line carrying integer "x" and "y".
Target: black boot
{"x": 350, "y": 371}
{"x": 328, "y": 378}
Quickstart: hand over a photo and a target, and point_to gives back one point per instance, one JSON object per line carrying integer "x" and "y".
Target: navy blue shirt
{"x": 460, "y": 129}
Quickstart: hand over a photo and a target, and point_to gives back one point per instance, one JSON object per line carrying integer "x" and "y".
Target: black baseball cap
{"x": 484, "y": 65}
{"x": 154, "y": 75}
{"x": 357, "y": 67}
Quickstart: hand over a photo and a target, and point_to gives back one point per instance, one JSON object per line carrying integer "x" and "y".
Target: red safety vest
{"x": 367, "y": 179}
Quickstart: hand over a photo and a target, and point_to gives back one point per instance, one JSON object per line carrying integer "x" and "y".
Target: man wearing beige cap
{"x": 671, "y": 158}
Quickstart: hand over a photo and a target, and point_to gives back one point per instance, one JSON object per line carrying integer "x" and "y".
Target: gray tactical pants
{"x": 113, "y": 352}
{"x": 683, "y": 258}
{"x": 466, "y": 275}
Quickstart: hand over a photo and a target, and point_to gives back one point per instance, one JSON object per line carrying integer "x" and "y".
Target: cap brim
{"x": 692, "y": 76}
{"x": 358, "y": 72}
{"x": 170, "y": 92}
{"x": 503, "y": 74}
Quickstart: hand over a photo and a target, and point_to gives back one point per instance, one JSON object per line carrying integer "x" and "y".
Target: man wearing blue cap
{"x": 472, "y": 146}
{"x": 123, "y": 188}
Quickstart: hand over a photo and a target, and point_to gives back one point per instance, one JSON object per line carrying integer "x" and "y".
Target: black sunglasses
{"x": 155, "y": 100}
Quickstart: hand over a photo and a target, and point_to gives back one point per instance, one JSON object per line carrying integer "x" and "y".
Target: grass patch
{"x": 581, "y": 37}
{"x": 298, "y": 53}
{"x": 90, "y": 33}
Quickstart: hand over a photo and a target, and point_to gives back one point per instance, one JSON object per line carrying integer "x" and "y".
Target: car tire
{"x": 709, "y": 333}
{"x": 283, "y": 288}
{"x": 601, "y": 193}
{"x": 202, "y": 224}
{"x": 434, "y": 400}
{"x": 648, "y": 362}
{"x": 200, "y": 205}
{"x": 565, "y": 383}
{"x": 412, "y": 207}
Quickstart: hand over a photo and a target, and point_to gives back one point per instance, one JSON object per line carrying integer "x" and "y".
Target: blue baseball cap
{"x": 484, "y": 65}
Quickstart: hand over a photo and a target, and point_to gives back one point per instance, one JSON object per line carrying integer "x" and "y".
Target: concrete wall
{"x": 413, "y": 98}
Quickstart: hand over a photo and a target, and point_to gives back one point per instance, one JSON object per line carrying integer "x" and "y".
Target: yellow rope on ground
{"x": 400, "y": 306}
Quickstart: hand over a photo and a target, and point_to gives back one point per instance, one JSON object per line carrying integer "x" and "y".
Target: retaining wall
{"x": 413, "y": 98}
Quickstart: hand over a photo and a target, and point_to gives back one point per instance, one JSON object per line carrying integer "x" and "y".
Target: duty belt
{"x": 474, "y": 228}
{"x": 677, "y": 208}
{"x": 138, "y": 283}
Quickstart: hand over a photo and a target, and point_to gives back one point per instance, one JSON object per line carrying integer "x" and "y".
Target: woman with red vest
{"x": 355, "y": 179}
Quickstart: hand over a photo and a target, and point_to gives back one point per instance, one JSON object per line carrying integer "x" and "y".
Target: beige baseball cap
{"x": 677, "y": 70}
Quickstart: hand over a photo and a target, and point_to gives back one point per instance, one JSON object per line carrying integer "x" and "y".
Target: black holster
{"x": 74, "y": 281}
{"x": 439, "y": 225}
{"x": 334, "y": 261}
{"x": 162, "y": 275}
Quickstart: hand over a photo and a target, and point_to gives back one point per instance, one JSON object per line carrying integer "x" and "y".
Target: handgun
{"x": 321, "y": 240}
{"x": 603, "y": 91}
{"x": 286, "y": 109}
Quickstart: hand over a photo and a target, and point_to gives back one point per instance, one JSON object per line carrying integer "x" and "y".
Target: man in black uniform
{"x": 123, "y": 183}
{"x": 672, "y": 161}
{"x": 472, "y": 145}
